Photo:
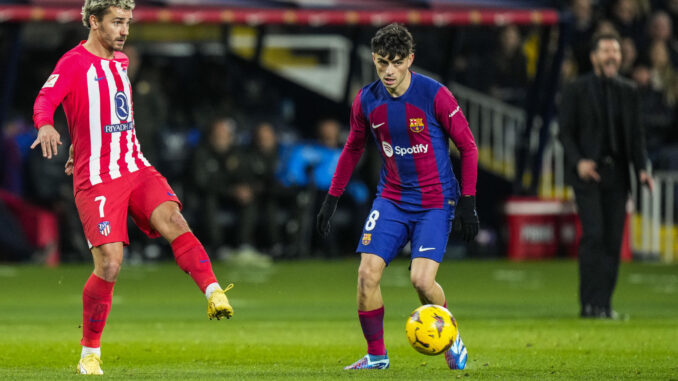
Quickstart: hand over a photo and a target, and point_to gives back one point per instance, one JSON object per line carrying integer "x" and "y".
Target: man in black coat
{"x": 601, "y": 134}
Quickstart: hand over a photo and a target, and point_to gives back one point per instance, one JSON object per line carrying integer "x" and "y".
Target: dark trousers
{"x": 602, "y": 212}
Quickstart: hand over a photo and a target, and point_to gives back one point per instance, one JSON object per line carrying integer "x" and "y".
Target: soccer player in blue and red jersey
{"x": 111, "y": 177}
{"x": 411, "y": 117}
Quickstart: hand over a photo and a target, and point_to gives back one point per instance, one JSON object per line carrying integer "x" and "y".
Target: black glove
{"x": 466, "y": 219}
{"x": 325, "y": 214}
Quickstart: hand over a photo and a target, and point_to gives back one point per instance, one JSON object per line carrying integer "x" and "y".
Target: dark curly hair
{"x": 393, "y": 40}
{"x": 602, "y": 37}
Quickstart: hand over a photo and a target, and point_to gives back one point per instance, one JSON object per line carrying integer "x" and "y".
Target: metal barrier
{"x": 552, "y": 180}
{"x": 655, "y": 235}
{"x": 495, "y": 126}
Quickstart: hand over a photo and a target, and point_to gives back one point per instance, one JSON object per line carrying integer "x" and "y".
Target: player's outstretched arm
{"x": 49, "y": 139}
{"x": 326, "y": 212}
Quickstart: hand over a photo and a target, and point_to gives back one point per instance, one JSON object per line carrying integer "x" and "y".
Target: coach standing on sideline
{"x": 601, "y": 133}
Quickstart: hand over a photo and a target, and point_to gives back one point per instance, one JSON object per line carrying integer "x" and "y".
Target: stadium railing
{"x": 495, "y": 125}
{"x": 653, "y": 229}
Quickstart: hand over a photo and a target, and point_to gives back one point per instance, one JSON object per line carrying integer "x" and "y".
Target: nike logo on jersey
{"x": 100, "y": 78}
{"x": 375, "y": 126}
{"x": 454, "y": 112}
{"x": 422, "y": 248}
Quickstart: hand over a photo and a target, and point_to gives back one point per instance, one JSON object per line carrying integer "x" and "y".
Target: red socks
{"x": 96, "y": 302}
{"x": 98, "y": 293}
{"x": 192, "y": 258}
{"x": 372, "y": 323}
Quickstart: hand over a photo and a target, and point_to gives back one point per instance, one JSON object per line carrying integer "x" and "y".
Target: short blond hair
{"x": 99, "y": 8}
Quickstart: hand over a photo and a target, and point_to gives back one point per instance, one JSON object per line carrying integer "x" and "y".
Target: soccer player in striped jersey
{"x": 111, "y": 177}
{"x": 411, "y": 117}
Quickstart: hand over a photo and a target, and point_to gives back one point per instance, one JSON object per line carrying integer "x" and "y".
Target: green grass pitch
{"x": 298, "y": 321}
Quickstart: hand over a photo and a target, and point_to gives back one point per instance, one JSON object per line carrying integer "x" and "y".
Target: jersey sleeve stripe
{"x": 129, "y": 159}
{"x": 113, "y": 167}
{"x": 392, "y": 181}
{"x": 138, "y": 149}
{"x": 425, "y": 163}
{"x": 94, "y": 126}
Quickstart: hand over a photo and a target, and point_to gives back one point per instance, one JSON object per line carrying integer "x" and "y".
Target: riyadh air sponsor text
{"x": 118, "y": 127}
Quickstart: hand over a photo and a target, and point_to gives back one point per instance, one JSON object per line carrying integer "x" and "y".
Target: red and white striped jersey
{"x": 97, "y": 100}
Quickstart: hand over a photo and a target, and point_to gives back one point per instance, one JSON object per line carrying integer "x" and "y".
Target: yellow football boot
{"x": 218, "y": 306}
{"x": 90, "y": 364}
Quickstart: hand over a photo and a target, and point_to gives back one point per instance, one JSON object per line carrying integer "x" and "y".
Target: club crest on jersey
{"x": 417, "y": 124}
{"x": 121, "y": 106}
{"x": 367, "y": 238}
{"x": 388, "y": 150}
{"x": 105, "y": 228}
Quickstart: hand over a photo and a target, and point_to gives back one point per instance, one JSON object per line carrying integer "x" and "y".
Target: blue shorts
{"x": 389, "y": 227}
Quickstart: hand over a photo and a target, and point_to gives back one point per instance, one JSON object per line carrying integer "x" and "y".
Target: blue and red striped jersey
{"x": 411, "y": 133}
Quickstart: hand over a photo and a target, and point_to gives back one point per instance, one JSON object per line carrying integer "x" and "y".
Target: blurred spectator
{"x": 665, "y": 154}
{"x": 150, "y": 102}
{"x": 507, "y": 75}
{"x": 11, "y": 169}
{"x": 13, "y": 243}
{"x": 328, "y": 133}
{"x": 605, "y": 26}
{"x": 656, "y": 116}
{"x": 263, "y": 164}
{"x": 584, "y": 25}
{"x": 309, "y": 167}
{"x": 47, "y": 186}
{"x": 662, "y": 74}
{"x": 629, "y": 57}
{"x": 660, "y": 29}
{"x": 643, "y": 9}
{"x": 313, "y": 164}
{"x": 569, "y": 69}
{"x": 671, "y": 7}
{"x": 218, "y": 174}
{"x": 627, "y": 20}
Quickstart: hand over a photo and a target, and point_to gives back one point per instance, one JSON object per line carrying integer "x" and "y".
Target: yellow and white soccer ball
{"x": 431, "y": 329}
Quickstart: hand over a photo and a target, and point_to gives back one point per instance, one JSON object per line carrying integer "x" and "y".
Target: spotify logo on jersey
{"x": 388, "y": 150}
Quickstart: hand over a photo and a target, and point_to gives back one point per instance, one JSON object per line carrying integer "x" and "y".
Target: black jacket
{"x": 581, "y": 124}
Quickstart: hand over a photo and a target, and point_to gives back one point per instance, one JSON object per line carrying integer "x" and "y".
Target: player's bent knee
{"x": 422, "y": 283}
{"x": 111, "y": 270}
{"x": 368, "y": 272}
{"x": 109, "y": 267}
{"x": 368, "y": 278}
{"x": 108, "y": 260}
{"x": 178, "y": 221}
